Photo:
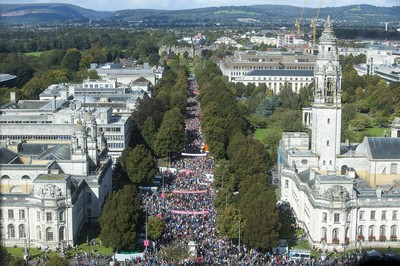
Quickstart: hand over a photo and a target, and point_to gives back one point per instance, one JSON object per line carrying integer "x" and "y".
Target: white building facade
{"x": 342, "y": 194}
{"x": 50, "y": 189}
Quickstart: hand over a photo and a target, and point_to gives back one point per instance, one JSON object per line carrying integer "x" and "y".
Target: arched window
{"x": 38, "y": 233}
{"x": 11, "y": 231}
{"x": 16, "y": 190}
{"x": 371, "y": 231}
{"x": 25, "y": 177}
{"x": 21, "y": 231}
{"x": 361, "y": 230}
{"x": 5, "y": 177}
{"x": 61, "y": 233}
{"x": 49, "y": 234}
{"x": 335, "y": 233}
{"x": 393, "y": 231}
{"x": 382, "y": 230}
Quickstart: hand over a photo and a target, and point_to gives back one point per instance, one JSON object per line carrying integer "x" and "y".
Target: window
{"x": 22, "y": 214}
{"x": 38, "y": 232}
{"x": 327, "y": 143}
{"x": 49, "y": 234}
{"x": 324, "y": 217}
{"x": 335, "y": 233}
{"x": 393, "y": 168}
{"x": 383, "y": 216}
{"x": 38, "y": 216}
{"x": 371, "y": 231}
{"x": 372, "y": 217}
{"x": 21, "y": 231}
{"x": 10, "y": 214}
{"x": 323, "y": 233}
{"x": 336, "y": 218}
{"x": 61, "y": 216}
{"x": 88, "y": 197}
{"x": 361, "y": 230}
{"x": 382, "y": 230}
{"x": 11, "y": 231}
{"x": 49, "y": 217}
{"x": 393, "y": 230}
{"x": 394, "y": 215}
{"x": 329, "y": 120}
{"x": 286, "y": 183}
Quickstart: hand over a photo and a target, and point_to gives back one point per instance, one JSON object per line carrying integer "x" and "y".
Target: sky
{"x": 112, "y": 5}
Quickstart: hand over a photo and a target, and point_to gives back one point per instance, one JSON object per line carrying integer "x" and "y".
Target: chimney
{"x": 12, "y": 96}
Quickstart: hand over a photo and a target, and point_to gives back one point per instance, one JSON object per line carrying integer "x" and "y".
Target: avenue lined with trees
{"x": 245, "y": 199}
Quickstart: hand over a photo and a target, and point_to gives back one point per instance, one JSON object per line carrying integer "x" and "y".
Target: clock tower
{"x": 327, "y": 104}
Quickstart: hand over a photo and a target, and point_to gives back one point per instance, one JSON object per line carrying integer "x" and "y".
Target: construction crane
{"x": 313, "y": 25}
{"x": 298, "y": 21}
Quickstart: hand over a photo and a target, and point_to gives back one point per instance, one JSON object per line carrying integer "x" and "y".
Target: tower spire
{"x": 327, "y": 102}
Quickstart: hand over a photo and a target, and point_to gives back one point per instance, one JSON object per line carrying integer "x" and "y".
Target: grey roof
{"x": 6, "y": 77}
{"x": 32, "y": 104}
{"x": 32, "y": 148}
{"x": 59, "y": 152}
{"x": 7, "y": 156}
{"x": 281, "y": 72}
{"x": 384, "y": 148}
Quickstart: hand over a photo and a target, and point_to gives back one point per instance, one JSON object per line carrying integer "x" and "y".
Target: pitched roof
{"x": 59, "y": 152}
{"x": 7, "y": 156}
{"x": 384, "y": 148}
{"x": 141, "y": 79}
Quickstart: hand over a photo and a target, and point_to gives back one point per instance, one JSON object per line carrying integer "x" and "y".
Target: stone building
{"x": 342, "y": 194}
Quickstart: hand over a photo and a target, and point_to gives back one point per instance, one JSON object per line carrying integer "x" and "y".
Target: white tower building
{"x": 326, "y": 108}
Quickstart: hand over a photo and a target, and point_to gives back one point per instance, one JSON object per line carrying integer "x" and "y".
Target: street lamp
{"x": 146, "y": 242}
{"x": 239, "y": 231}
{"x": 237, "y": 193}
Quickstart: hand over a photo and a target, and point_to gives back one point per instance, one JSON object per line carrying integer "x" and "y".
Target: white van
{"x": 297, "y": 255}
{"x": 283, "y": 247}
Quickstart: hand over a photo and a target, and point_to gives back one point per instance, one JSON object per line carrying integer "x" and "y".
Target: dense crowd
{"x": 185, "y": 204}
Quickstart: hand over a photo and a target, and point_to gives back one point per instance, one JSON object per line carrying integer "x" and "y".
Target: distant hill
{"x": 46, "y": 13}
{"x": 260, "y": 15}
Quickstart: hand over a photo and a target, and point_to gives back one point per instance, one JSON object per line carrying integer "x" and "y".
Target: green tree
{"x": 58, "y": 261}
{"x": 174, "y": 253}
{"x": 228, "y": 222}
{"x": 171, "y": 135}
{"x": 3, "y": 253}
{"x": 71, "y": 60}
{"x": 155, "y": 227}
{"x": 119, "y": 218}
{"x": 262, "y": 225}
{"x": 149, "y": 131}
{"x": 139, "y": 164}
{"x": 360, "y": 122}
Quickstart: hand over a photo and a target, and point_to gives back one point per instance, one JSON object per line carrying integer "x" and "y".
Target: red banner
{"x": 189, "y": 212}
{"x": 189, "y": 191}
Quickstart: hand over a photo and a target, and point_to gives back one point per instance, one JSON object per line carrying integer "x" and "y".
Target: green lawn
{"x": 34, "y": 53}
{"x": 260, "y": 133}
{"x": 378, "y": 131}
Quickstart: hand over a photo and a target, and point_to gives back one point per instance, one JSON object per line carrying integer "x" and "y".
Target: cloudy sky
{"x": 112, "y": 5}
